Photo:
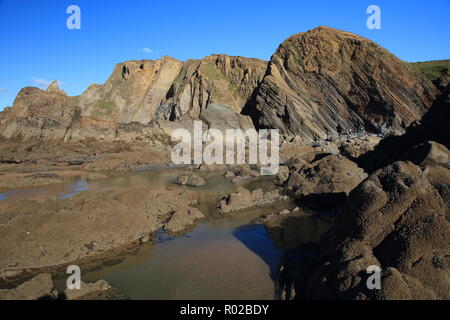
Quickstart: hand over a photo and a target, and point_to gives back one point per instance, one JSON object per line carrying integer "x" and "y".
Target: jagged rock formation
{"x": 434, "y": 126}
{"x": 222, "y": 79}
{"x": 327, "y": 82}
{"x": 133, "y": 92}
{"x": 318, "y": 84}
{"x": 325, "y": 183}
{"x": 38, "y": 114}
{"x": 214, "y": 90}
{"x": 398, "y": 219}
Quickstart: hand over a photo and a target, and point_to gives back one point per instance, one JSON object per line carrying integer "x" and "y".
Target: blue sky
{"x": 37, "y": 47}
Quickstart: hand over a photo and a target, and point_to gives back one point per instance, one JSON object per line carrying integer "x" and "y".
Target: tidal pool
{"x": 221, "y": 258}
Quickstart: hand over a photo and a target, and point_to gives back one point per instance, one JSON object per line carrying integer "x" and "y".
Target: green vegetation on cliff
{"x": 433, "y": 69}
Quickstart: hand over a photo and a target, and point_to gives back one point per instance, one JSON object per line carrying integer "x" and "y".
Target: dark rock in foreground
{"x": 397, "y": 219}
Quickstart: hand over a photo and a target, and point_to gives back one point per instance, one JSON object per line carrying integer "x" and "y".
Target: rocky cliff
{"x": 327, "y": 82}
{"x": 318, "y": 84}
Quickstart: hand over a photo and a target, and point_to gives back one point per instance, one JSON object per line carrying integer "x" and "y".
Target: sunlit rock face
{"x": 326, "y": 82}
{"x": 318, "y": 84}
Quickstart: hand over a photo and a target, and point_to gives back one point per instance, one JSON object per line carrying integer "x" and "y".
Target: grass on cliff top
{"x": 433, "y": 69}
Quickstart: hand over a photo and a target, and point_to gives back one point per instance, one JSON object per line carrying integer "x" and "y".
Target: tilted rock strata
{"x": 415, "y": 144}
{"x": 327, "y": 82}
{"x": 318, "y": 84}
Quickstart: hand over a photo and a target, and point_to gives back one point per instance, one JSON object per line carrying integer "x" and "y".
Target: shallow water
{"x": 222, "y": 258}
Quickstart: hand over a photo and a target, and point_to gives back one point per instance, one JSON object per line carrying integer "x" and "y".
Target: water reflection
{"x": 222, "y": 258}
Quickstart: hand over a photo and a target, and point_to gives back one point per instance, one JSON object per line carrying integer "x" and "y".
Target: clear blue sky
{"x": 37, "y": 47}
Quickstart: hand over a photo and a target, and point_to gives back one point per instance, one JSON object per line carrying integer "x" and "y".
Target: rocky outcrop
{"x": 182, "y": 219}
{"x": 325, "y": 183}
{"x": 244, "y": 199}
{"x": 398, "y": 220}
{"x": 318, "y": 84}
{"x": 327, "y": 82}
{"x": 133, "y": 92}
{"x": 38, "y": 114}
{"x": 43, "y": 234}
{"x": 221, "y": 79}
{"x": 414, "y": 145}
{"x": 190, "y": 180}
{"x": 39, "y": 288}
{"x": 137, "y": 94}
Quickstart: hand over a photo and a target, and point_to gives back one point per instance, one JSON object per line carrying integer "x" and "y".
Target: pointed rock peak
{"x": 54, "y": 87}
{"x": 169, "y": 58}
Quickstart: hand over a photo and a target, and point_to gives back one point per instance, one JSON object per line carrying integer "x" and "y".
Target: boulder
{"x": 243, "y": 199}
{"x": 326, "y": 182}
{"x": 428, "y": 153}
{"x": 38, "y": 288}
{"x": 398, "y": 220}
{"x": 190, "y": 180}
{"x": 182, "y": 219}
{"x": 86, "y": 289}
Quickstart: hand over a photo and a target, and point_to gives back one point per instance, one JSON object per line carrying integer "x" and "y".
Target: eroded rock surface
{"x": 40, "y": 234}
{"x": 40, "y": 287}
{"x": 325, "y": 183}
{"x": 192, "y": 180}
{"x": 397, "y": 219}
{"x": 243, "y": 199}
{"x": 327, "y": 82}
{"x": 417, "y": 142}
{"x": 319, "y": 84}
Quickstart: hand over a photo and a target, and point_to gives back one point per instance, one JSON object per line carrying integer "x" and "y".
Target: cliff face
{"x": 326, "y": 82}
{"x": 36, "y": 113}
{"x": 220, "y": 79}
{"x": 318, "y": 84}
{"x": 214, "y": 90}
{"x": 133, "y": 92}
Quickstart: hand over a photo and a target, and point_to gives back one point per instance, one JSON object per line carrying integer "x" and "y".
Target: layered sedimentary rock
{"x": 137, "y": 94}
{"x": 397, "y": 219}
{"x": 318, "y": 84}
{"x": 133, "y": 92}
{"x": 220, "y": 79}
{"x": 327, "y": 82}
{"x": 435, "y": 126}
